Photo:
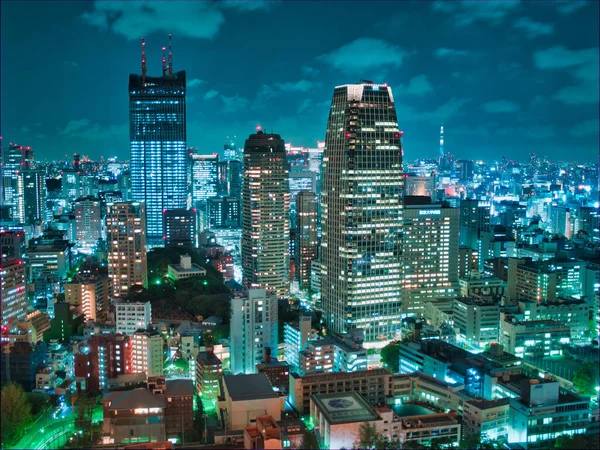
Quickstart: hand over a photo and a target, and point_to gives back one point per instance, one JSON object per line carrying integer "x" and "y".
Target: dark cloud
{"x": 463, "y": 13}
{"x": 83, "y": 128}
{"x": 417, "y": 86}
{"x": 585, "y": 128}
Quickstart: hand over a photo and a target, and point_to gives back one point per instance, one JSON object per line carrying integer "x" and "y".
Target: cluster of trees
{"x": 579, "y": 441}
{"x": 390, "y": 356}
{"x": 16, "y": 413}
{"x": 199, "y": 296}
{"x": 586, "y": 379}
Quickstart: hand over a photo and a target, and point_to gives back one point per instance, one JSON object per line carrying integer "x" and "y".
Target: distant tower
{"x": 157, "y": 124}
{"x": 265, "y": 214}
{"x": 362, "y": 213}
{"x": 441, "y": 143}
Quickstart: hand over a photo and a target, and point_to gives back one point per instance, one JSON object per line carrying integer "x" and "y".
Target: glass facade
{"x": 157, "y": 119}
{"x": 362, "y": 213}
{"x": 205, "y": 177}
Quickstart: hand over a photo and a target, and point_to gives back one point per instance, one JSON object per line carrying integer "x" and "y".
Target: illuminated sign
{"x": 430, "y": 212}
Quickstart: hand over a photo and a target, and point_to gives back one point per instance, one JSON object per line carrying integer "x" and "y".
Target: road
{"x": 46, "y": 427}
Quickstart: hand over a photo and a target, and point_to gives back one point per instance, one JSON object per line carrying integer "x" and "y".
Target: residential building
{"x": 265, "y": 215}
{"x": 147, "y": 353}
{"x": 14, "y": 293}
{"x": 277, "y": 372}
{"x": 253, "y": 329}
{"x": 306, "y": 236}
{"x": 91, "y": 293}
{"x": 158, "y": 163}
{"x": 360, "y": 261}
{"x": 223, "y": 212}
{"x": 20, "y": 362}
{"x": 132, "y": 316}
{"x": 126, "y": 238}
{"x": 47, "y": 261}
{"x": 209, "y": 371}
{"x": 100, "y": 358}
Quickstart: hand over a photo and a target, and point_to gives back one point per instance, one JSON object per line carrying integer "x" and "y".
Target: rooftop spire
{"x": 143, "y": 61}
{"x": 164, "y": 62}
{"x": 170, "y": 57}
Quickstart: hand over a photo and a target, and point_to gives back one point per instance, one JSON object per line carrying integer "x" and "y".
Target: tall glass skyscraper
{"x": 265, "y": 215}
{"x": 362, "y": 213}
{"x": 157, "y": 121}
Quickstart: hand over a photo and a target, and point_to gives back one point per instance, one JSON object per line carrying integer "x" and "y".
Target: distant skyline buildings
{"x": 158, "y": 141}
{"x": 362, "y": 213}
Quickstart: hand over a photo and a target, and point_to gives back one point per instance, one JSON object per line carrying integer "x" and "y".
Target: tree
{"x": 583, "y": 381}
{"x": 199, "y": 420}
{"x": 439, "y": 443}
{"x": 390, "y": 356}
{"x": 367, "y": 435}
{"x": 16, "y": 412}
{"x": 309, "y": 440}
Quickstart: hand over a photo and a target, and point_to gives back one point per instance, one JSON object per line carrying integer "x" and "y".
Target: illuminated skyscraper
{"x": 205, "y": 177}
{"x": 88, "y": 223}
{"x": 157, "y": 129}
{"x": 306, "y": 236}
{"x": 362, "y": 213}
{"x": 265, "y": 214}
{"x": 15, "y": 159}
{"x": 430, "y": 253}
{"x": 126, "y": 238}
{"x": 14, "y": 292}
{"x": 34, "y": 195}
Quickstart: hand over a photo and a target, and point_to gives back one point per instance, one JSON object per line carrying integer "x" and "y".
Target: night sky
{"x": 505, "y": 78}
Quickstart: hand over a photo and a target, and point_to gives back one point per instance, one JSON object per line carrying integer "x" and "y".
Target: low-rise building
{"x": 278, "y": 372}
{"x": 477, "y": 320}
{"x": 209, "y": 371}
{"x": 487, "y": 286}
{"x": 132, "y": 316}
{"x": 295, "y": 339}
{"x": 571, "y": 313}
{"x": 535, "y": 338}
{"x": 489, "y": 418}
{"x": 185, "y": 269}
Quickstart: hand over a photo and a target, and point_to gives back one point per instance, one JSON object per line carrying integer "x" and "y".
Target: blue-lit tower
{"x": 157, "y": 128}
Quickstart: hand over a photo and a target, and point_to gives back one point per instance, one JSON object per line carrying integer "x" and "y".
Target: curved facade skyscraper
{"x": 265, "y": 215}
{"x": 362, "y": 213}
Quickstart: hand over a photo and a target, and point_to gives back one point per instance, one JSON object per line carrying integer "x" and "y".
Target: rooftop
{"x": 249, "y": 387}
{"x": 179, "y": 388}
{"x": 135, "y": 398}
{"x": 347, "y": 407}
{"x": 488, "y": 404}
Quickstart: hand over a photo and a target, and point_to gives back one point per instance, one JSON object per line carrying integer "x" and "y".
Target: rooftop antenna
{"x": 164, "y": 61}
{"x": 170, "y": 57}
{"x": 143, "y": 61}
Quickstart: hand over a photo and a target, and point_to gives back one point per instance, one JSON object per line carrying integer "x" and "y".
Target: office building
{"x": 101, "y": 358}
{"x": 88, "y": 223}
{"x": 15, "y": 159}
{"x": 223, "y": 212}
{"x": 495, "y": 243}
{"x": 12, "y": 243}
{"x": 126, "y": 238}
{"x": 209, "y": 371}
{"x": 91, "y": 293}
{"x": 423, "y": 186}
{"x": 180, "y": 228}
{"x": 158, "y": 164}
{"x": 14, "y": 293}
{"x": 205, "y": 177}
{"x": 295, "y": 339}
{"x": 48, "y": 258}
{"x": 277, "y": 372}
{"x": 477, "y": 320}
{"x": 544, "y": 412}
{"x": 374, "y": 385}
{"x": 430, "y": 253}
{"x": 235, "y": 177}
{"x": 474, "y": 218}
{"x": 571, "y": 313}
{"x": 362, "y": 213}
{"x": 306, "y": 236}
{"x": 20, "y": 362}
{"x": 530, "y": 339}
{"x": 265, "y": 215}
{"x": 484, "y": 286}
{"x": 34, "y": 196}
{"x": 147, "y": 353}
{"x": 185, "y": 269}
{"x": 489, "y": 418}
{"x": 132, "y": 316}
{"x": 544, "y": 280}
{"x": 253, "y": 329}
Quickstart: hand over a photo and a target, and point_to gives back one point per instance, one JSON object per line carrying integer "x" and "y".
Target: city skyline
{"x": 530, "y": 84}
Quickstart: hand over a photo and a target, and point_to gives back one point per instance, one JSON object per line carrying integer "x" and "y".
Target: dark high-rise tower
{"x": 265, "y": 214}
{"x": 362, "y": 212}
{"x": 157, "y": 129}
